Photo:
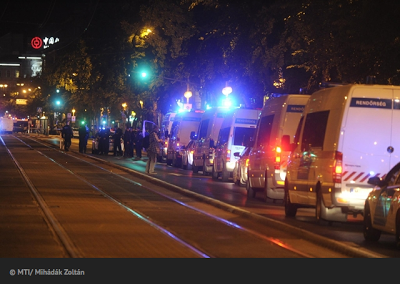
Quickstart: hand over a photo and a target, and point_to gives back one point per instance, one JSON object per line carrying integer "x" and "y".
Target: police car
{"x": 381, "y": 209}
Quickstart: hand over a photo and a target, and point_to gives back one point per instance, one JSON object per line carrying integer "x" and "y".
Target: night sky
{"x": 45, "y": 16}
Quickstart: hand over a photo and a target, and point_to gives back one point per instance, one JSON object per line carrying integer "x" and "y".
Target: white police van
{"x": 347, "y": 134}
{"x": 207, "y": 135}
{"x": 268, "y": 157}
{"x": 6, "y": 125}
{"x": 165, "y": 130}
{"x": 237, "y": 129}
{"x": 183, "y": 125}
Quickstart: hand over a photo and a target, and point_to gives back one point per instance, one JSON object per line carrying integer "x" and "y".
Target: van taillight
{"x": 337, "y": 167}
{"x": 228, "y": 155}
{"x": 278, "y": 151}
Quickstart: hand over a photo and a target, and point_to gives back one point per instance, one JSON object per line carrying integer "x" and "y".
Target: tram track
{"x": 123, "y": 198}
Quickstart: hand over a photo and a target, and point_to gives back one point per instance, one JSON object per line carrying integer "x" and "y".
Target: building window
{"x": 16, "y": 73}
{"x": 8, "y": 74}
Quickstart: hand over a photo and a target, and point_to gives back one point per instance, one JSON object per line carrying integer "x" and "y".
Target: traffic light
{"x": 143, "y": 73}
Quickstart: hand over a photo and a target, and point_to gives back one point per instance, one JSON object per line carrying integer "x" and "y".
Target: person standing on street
{"x": 138, "y": 144}
{"x": 128, "y": 142}
{"x": 83, "y": 138}
{"x": 152, "y": 150}
{"x": 67, "y": 134}
{"x": 117, "y": 141}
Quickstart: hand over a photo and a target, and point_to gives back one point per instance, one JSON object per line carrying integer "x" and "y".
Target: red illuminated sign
{"x": 36, "y": 42}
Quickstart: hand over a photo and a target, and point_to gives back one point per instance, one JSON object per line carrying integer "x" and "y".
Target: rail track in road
{"x": 97, "y": 210}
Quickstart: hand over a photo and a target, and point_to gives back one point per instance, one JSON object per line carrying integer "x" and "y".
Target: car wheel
{"x": 169, "y": 162}
{"x": 195, "y": 169}
{"x": 204, "y": 167}
{"x": 250, "y": 191}
{"x": 370, "y": 233}
{"x": 241, "y": 179}
{"x": 398, "y": 230}
{"x": 290, "y": 208}
{"x": 225, "y": 174}
{"x": 266, "y": 188}
{"x": 185, "y": 165}
{"x": 319, "y": 205}
{"x": 235, "y": 177}
{"x": 214, "y": 173}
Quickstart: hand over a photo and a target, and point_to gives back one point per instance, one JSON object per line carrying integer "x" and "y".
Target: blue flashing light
{"x": 227, "y": 103}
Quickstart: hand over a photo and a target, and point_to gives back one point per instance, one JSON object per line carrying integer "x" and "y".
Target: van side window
{"x": 314, "y": 130}
{"x": 174, "y": 129}
{"x": 203, "y": 129}
{"x": 223, "y": 135}
{"x": 264, "y": 131}
{"x": 297, "y": 134}
{"x": 242, "y": 135}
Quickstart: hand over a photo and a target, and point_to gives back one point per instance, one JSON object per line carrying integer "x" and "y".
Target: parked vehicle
{"x": 276, "y": 129}
{"x": 239, "y": 173}
{"x": 183, "y": 125}
{"x": 165, "y": 129}
{"x": 347, "y": 134}
{"x": 75, "y": 132}
{"x": 187, "y": 155}
{"x": 237, "y": 128}
{"x": 20, "y": 125}
{"x": 95, "y": 144}
{"x": 381, "y": 208}
{"x": 6, "y": 125}
{"x": 207, "y": 135}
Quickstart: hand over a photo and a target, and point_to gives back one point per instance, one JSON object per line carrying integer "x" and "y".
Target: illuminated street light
{"x": 227, "y": 90}
{"x": 73, "y": 112}
{"x": 188, "y": 93}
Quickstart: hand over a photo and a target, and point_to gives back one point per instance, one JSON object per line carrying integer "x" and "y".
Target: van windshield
{"x": 242, "y": 135}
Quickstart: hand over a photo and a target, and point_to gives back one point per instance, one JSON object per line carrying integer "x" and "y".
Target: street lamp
{"x": 188, "y": 93}
{"x": 3, "y": 86}
{"x": 73, "y": 112}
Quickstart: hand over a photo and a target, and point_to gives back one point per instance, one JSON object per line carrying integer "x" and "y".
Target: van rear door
{"x": 367, "y": 135}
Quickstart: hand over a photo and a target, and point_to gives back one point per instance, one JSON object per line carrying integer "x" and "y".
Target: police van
{"x": 165, "y": 129}
{"x": 237, "y": 128}
{"x": 347, "y": 134}
{"x": 268, "y": 157}
{"x": 207, "y": 135}
{"x": 6, "y": 125}
{"x": 184, "y": 123}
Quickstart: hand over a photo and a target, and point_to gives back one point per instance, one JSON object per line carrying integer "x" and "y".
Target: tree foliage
{"x": 257, "y": 47}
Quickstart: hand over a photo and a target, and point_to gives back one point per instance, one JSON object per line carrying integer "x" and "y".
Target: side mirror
{"x": 376, "y": 181}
